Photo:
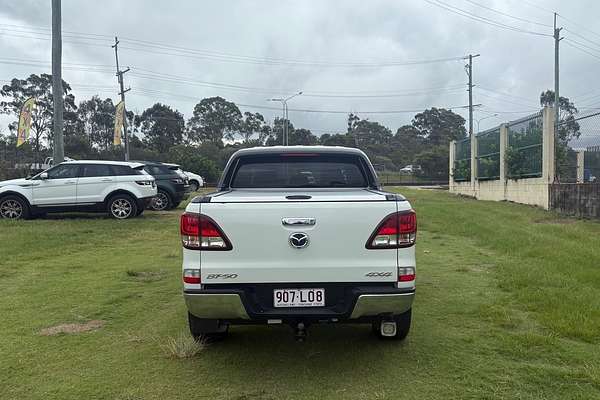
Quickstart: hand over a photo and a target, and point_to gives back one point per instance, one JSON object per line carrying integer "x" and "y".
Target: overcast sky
{"x": 272, "y": 48}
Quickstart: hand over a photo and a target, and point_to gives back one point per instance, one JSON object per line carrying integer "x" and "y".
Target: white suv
{"x": 196, "y": 181}
{"x": 120, "y": 188}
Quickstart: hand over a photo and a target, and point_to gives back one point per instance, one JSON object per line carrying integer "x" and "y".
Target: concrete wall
{"x": 534, "y": 191}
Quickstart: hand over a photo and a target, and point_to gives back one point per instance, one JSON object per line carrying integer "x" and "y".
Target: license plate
{"x": 299, "y": 297}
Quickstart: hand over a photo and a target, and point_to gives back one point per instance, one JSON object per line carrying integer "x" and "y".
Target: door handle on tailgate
{"x": 298, "y": 221}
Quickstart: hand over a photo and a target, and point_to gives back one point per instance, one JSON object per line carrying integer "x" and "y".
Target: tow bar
{"x": 300, "y": 332}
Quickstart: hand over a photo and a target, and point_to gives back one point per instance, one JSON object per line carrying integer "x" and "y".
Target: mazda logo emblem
{"x": 299, "y": 240}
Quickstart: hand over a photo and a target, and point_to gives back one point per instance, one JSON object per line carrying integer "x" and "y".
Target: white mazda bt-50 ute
{"x": 299, "y": 235}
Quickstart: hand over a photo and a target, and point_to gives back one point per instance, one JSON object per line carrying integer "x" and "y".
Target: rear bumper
{"x": 236, "y": 305}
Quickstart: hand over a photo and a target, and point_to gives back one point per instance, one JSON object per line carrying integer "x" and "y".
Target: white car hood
{"x": 16, "y": 182}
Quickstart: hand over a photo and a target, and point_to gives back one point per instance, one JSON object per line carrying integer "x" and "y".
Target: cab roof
{"x": 299, "y": 149}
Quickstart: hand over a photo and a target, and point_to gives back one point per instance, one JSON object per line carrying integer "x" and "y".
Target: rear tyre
{"x": 162, "y": 201}
{"x": 402, "y": 326}
{"x": 14, "y": 207}
{"x": 207, "y": 330}
{"x": 194, "y": 186}
{"x": 122, "y": 206}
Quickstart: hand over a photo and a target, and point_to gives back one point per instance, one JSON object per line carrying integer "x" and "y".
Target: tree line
{"x": 216, "y": 129}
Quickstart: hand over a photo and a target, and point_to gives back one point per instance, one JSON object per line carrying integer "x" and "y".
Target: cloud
{"x": 514, "y": 67}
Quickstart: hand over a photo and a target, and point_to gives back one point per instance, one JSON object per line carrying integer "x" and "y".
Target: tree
{"x": 433, "y": 162}
{"x": 406, "y": 143}
{"x": 369, "y": 134}
{"x": 162, "y": 127}
{"x": 337, "y": 139}
{"x": 352, "y": 120}
{"x": 97, "y": 121}
{"x": 275, "y": 136}
{"x": 190, "y": 159}
{"x": 213, "y": 120}
{"x": 303, "y": 137}
{"x": 253, "y": 123}
{"x": 568, "y": 128}
{"x": 40, "y": 87}
{"x": 439, "y": 126}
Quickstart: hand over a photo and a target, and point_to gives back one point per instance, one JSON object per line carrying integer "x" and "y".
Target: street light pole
{"x": 481, "y": 119}
{"x": 283, "y": 101}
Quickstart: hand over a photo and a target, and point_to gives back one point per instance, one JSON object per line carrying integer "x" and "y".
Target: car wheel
{"x": 194, "y": 186}
{"x": 122, "y": 206}
{"x": 207, "y": 330}
{"x": 162, "y": 201}
{"x": 13, "y": 207}
{"x": 402, "y": 326}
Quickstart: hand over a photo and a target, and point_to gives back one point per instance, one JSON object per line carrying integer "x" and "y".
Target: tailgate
{"x": 262, "y": 250}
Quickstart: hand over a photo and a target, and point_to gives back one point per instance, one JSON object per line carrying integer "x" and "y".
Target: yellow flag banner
{"x": 120, "y": 111}
{"x": 25, "y": 121}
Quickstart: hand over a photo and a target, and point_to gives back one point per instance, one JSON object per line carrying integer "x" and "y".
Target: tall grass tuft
{"x": 182, "y": 346}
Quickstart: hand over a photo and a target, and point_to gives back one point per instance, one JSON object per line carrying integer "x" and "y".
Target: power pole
{"x": 57, "y": 88}
{"x": 469, "y": 69}
{"x": 557, "y": 40}
{"x": 122, "y": 93}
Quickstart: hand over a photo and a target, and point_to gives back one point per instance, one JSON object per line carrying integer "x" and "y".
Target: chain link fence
{"x": 577, "y": 149}
{"x": 488, "y": 155}
{"x": 462, "y": 161}
{"x": 524, "y": 150}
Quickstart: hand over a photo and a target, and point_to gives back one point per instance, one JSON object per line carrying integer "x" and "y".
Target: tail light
{"x": 200, "y": 232}
{"x": 406, "y": 274}
{"x": 396, "y": 230}
{"x": 191, "y": 276}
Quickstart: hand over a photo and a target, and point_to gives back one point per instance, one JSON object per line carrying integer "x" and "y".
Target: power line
{"x": 504, "y": 94}
{"x": 152, "y": 75}
{"x": 569, "y": 43}
{"x": 173, "y": 50}
{"x": 583, "y": 37}
{"x": 508, "y": 15}
{"x": 595, "y": 49}
{"x": 152, "y": 91}
{"x": 475, "y": 17}
{"x": 579, "y": 25}
{"x": 171, "y": 78}
{"x": 506, "y": 101}
{"x": 537, "y": 6}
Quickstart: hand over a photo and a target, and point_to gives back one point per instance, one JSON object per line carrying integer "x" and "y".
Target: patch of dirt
{"x": 73, "y": 328}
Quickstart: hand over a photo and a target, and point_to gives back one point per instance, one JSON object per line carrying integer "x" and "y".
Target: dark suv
{"x": 173, "y": 187}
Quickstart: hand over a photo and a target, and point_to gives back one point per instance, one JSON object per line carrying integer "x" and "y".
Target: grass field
{"x": 508, "y": 306}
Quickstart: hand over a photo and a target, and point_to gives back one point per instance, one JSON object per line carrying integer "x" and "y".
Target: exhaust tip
{"x": 388, "y": 328}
